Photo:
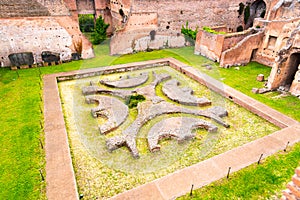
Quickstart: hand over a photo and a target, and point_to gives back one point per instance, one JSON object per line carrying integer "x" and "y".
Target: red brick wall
{"x": 293, "y": 188}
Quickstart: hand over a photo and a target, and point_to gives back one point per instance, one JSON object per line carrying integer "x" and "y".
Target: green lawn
{"x": 264, "y": 181}
{"x": 21, "y": 138}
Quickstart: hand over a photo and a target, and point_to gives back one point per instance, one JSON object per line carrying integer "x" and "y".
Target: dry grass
{"x": 101, "y": 174}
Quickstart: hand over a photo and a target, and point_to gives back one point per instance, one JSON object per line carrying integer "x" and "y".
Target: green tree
{"x": 86, "y": 23}
{"x": 100, "y": 31}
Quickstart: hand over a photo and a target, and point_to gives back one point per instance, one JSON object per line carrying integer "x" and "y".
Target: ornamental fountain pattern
{"x": 116, "y": 111}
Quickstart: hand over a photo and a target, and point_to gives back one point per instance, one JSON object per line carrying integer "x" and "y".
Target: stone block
{"x": 45, "y": 64}
{"x": 14, "y": 68}
{"x": 260, "y": 78}
{"x": 24, "y": 67}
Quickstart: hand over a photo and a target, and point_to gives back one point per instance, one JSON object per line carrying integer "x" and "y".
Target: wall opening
{"x": 272, "y": 42}
{"x": 121, "y": 12}
{"x": 256, "y": 10}
{"x": 292, "y": 68}
{"x": 239, "y": 28}
{"x": 253, "y": 54}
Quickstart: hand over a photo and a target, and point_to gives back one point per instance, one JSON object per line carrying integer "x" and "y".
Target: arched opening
{"x": 292, "y": 67}
{"x": 256, "y": 10}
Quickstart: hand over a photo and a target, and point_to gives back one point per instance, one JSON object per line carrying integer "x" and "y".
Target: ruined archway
{"x": 293, "y": 74}
{"x": 292, "y": 67}
{"x": 255, "y": 10}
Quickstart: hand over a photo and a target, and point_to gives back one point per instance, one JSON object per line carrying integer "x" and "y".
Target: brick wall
{"x": 42, "y": 25}
{"x": 22, "y": 8}
{"x": 293, "y": 188}
{"x": 171, "y": 16}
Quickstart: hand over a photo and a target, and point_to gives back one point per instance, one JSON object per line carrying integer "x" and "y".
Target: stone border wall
{"x": 60, "y": 177}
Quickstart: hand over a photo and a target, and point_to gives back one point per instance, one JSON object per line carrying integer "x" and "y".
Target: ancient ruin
{"x": 154, "y": 106}
{"x": 179, "y": 128}
{"x": 272, "y": 38}
{"x": 266, "y": 31}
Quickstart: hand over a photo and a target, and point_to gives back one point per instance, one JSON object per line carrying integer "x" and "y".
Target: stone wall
{"x": 212, "y": 45}
{"x": 287, "y": 60}
{"x": 55, "y": 7}
{"x": 209, "y": 45}
{"x": 171, "y": 16}
{"x": 276, "y": 36}
{"x": 277, "y": 44}
{"x": 241, "y": 53}
{"x": 22, "y": 8}
{"x": 36, "y": 26}
{"x": 50, "y": 34}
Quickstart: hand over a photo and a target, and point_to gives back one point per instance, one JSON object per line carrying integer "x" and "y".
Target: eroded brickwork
{"x": 36, "y": 26}
{"x": 273, "y": 40}
{"x": 293, "y": 188}
{"x": 169, "y": 18}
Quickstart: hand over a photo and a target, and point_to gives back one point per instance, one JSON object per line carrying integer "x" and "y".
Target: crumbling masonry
{"x": 270, "y": 36}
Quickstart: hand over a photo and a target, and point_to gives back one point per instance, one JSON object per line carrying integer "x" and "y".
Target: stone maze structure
{"x": 179, "y": 127}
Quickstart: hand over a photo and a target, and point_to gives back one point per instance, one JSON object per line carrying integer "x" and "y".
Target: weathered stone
{"x": 36, "y": 26}
{"x": 218, "y": 111}
{"x": 155, "y": 106}
{"x": 182, "y": 95}
{"x": 260, "y": 90}
{"x": 255, "y": 90}
{"x": 260, "y": 78}
{"x": 112, "y": 108}
{"x": 149, "y": 90}
{"x": 176, "y": 127}
{"x": 147, "y": 111}
{"x": 89, "y": 90}
{"x": 127, "y": 82}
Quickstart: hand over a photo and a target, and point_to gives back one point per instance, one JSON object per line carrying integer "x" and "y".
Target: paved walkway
{"x": 60, "y": 177}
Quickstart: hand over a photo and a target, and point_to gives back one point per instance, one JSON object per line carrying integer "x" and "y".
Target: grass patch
{"x": 21, "y": 135}
{"x": 264, "y": 181}
{"x": 134, "y": 100}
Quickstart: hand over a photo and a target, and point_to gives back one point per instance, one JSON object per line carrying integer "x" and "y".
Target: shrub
{"x": 100, "y": 31}
{"x": 209, "y": 30}
{"x": 133, "y": 100}
{"x": 189, "y": 32}
{"x": 246, "y": 14}
{"x": 86, "y": 23}
{"x": 241, "y": 8}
